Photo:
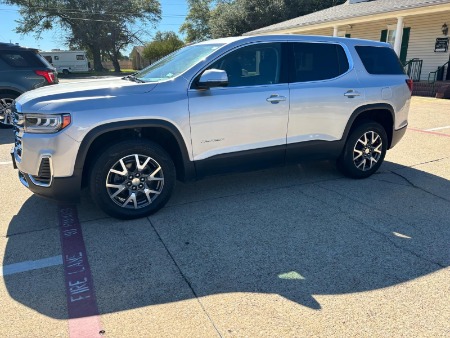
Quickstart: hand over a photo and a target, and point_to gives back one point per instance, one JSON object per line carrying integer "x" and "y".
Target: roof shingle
{"x": 348, "y": 11}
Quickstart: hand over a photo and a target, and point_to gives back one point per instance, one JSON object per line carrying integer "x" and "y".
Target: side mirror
{"x": 213, "y": 78}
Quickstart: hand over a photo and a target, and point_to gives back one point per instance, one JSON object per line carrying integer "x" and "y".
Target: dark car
{"x": 21, "y": 69}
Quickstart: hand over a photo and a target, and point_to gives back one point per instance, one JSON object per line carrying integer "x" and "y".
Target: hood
{"x": 36, "y": 99}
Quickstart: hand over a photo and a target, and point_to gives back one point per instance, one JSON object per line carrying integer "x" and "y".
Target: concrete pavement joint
{"x": 184, "y": 277}
{"x": 411, "y": 184}
{"x": 374, "y": 230}
{"x": 29, "y": 232}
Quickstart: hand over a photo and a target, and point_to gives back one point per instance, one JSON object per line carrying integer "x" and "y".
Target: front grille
{"x": 44, "y": 169}
{"x": 18, "y": 122}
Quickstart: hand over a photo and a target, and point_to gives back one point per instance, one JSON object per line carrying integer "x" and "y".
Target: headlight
{"x": 45, "y": 124}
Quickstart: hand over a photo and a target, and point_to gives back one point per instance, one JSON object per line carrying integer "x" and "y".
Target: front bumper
{"x": 65, "y": 189}
{"x": 59, "y": 188}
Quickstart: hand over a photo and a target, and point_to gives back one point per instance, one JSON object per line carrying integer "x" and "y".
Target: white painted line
{"x": 30, "y": 265}
{"x": 439, "y": 128}
{"x": 5, "y": 163}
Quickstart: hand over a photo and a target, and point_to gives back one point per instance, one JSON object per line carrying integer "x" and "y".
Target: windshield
{"x": 176, "y": 63}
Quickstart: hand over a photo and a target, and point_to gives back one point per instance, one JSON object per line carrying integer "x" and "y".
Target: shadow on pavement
{"x": 6, "y": 135}
{"x": 332, "y": 236}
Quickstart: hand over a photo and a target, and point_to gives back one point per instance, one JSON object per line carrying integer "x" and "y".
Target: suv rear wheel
{"x": 132, "y": 179}
{"x": 6, "y": 101}
{"x": 364, "y": 151}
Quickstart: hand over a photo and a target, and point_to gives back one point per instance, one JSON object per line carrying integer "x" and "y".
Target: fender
{"x": 92, "y": 135}
{"x": 363, "y": 109}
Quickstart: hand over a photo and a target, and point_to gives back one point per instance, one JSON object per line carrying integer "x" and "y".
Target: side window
{"x": 80, "y": 57}
{"x": 20, "y": 59}
{"x": 254, "y": 65}
{"x": 318, "y": 61}
{"x": 380, "y": 60}
{"x": 56, "y": 57}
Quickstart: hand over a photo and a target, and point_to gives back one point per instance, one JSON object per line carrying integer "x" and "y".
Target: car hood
{"x": 76, "y": 91}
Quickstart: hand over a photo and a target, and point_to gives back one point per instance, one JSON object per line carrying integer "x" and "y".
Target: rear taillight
{"x": 47, "y": 74}
{"x": 410, "y": 84}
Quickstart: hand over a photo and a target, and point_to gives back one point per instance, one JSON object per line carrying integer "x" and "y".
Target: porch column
{"x": 335, "y": 30}
{"x": 398, "y": 35}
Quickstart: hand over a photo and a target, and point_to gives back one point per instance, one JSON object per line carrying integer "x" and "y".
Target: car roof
{"x": 295, "y": 37}
{"x": 12, "y": 46}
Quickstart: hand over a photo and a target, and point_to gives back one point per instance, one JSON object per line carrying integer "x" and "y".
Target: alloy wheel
{"x": 367, "y": 151}
{"x": 5, "y": 110}
{"x": 135, "y": 181}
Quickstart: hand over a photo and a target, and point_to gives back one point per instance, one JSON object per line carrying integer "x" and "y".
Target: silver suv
{"x": 224, "y": 105}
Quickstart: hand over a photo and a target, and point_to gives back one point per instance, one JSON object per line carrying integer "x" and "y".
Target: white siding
{"x": 424, "y": 31}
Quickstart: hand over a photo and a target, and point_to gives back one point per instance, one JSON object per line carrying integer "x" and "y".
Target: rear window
{"x": 21, "y": 59}
{"x": 380, "y": 60}
{"x": 318, "y": 61}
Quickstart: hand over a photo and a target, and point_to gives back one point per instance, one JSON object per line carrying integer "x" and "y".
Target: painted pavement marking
{"x": 429, "y": 132}
{"x": 84, "y": 319}
{"x": 5, "y": 162}
{"x": 11, "y": 269}
{"x": 438, "y": 128}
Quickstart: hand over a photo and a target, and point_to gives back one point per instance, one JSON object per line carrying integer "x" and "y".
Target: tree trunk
{"x": 116, "y": 64}
{"x": 98, "y": 67}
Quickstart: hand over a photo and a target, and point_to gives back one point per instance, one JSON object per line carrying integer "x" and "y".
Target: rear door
{"x": 324, "y": 92}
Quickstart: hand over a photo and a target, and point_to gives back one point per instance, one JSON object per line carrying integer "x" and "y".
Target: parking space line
{"x": 428, "y": 132}
{"x": 84, "y": 319}
{"x": 6, "y": 163}
{"x": 11, "y": 269}
{"x": 439, "y": 128}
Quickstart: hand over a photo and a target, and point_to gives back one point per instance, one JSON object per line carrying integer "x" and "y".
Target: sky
{"x": 173, "y": 15}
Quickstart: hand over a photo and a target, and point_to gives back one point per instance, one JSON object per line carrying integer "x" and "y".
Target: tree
{"x": 196, "y": 25}
{"x": 97, "y": 25}
{"x": 163, "y": 44}
{"x": 239, "y": 16}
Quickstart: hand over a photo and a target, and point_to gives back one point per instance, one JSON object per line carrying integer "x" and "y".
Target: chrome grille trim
{"x": 18, "y": 122}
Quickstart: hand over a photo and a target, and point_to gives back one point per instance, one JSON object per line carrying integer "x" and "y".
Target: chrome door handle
{"x": 352, "y": 93}
{"x": 276, "y": 98}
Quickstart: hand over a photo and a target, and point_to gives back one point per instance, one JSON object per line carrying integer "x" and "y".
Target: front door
{"x": 244, "y": 124}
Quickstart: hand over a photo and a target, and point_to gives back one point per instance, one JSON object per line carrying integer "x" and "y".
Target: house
{"x": 417, "y": 30}
{"x": 137, "y": 58}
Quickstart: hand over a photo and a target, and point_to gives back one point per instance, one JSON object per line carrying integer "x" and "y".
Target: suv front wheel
{"x": 364, "y": 150}
{"x": 132, "y": 179}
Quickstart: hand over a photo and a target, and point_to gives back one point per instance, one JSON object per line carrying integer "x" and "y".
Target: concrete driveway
{"x": 299, "y": 251}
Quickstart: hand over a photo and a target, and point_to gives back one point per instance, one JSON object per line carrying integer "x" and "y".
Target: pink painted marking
{"x": 84, "y": 319}
{"x": 428, "y": 132}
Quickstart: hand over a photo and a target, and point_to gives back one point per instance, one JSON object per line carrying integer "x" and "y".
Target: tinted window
{"x": 318, "y": 61}
{"x": 80, "y": 57}
{"x": 379, "y": 60}
{"x": 20, "y": 59}
{"x": 252, "y": 65}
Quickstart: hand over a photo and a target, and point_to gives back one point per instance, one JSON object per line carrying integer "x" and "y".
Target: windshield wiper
{"x": 133, "y": 78}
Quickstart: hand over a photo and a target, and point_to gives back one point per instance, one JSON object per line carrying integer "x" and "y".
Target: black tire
{"x": 65, "y": 72}
{"x": 359, "y": 160}
{"x": 5, "y": 100}
{"x": 105, "y": 171}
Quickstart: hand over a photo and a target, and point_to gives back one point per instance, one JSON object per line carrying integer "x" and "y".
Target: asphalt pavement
{"x": 299, "y": 251}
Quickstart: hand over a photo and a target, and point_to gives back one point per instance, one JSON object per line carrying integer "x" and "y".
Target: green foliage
{"x": 95, "y": 25}
{"x": 235, "y": 17}
{"x": 163, "y": 44}
{"x": 196, "y": 25}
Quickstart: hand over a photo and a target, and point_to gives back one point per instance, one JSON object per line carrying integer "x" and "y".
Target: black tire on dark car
{"x": 132, "y": 179}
